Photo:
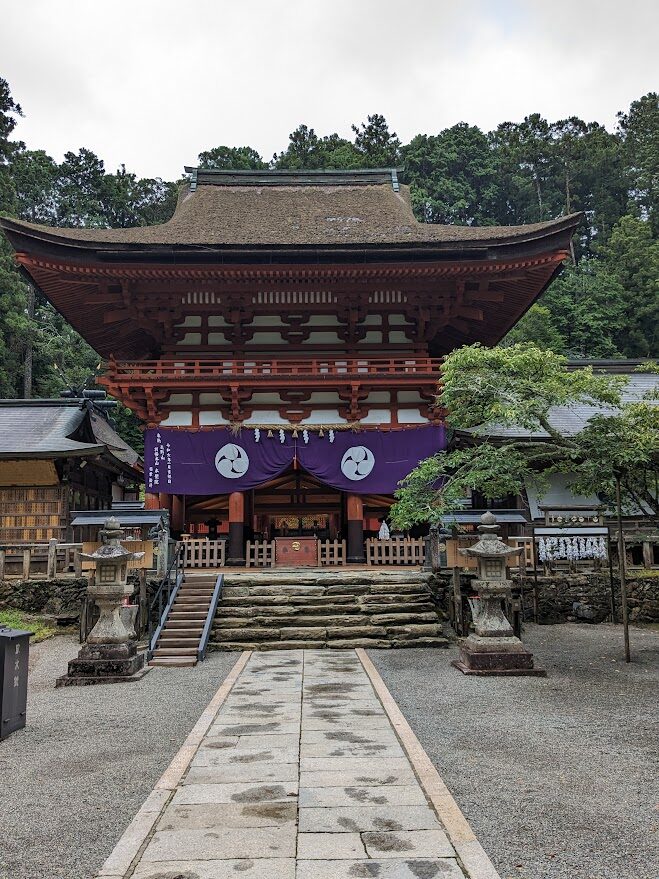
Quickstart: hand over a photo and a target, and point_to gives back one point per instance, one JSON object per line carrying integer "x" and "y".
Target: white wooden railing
{"x": 202, "y": 553}
{"x": 403, "y": 551}
{"x": 260, "y": 553}
{"x": 331, "y": 552}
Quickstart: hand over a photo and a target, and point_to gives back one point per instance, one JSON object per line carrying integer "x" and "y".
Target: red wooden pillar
{"x": 355, "y": 514}
{"x": 178, "y": 513}
{"x": 236, "y": 544}
{"x": 151, "y": 501}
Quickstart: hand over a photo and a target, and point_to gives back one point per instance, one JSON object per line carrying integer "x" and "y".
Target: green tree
{"x": 377, "y": 146}
{"x": 453, "y": 176}
{"x": 640, "y": 129}
{"x": 530, "y": 190}
{"x": 485, "y": 390}
{"x": 35, "y": 176}
{"x": 9, "y": 113}
{"x": 80, "y": 181}
{"x": 536, "y": 326}
{"x": 631, "y": 256}
{"x": 307, "y": 151}
{"x": 224, "y": 158}
{"x": 127, "y": 201}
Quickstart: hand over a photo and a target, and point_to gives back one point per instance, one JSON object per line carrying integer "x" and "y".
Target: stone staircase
{"x": 314, "y": 608}
{"x": 178, "y": 643}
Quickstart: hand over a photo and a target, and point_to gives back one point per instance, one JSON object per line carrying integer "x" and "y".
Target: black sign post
{"x": 14, "y": 654}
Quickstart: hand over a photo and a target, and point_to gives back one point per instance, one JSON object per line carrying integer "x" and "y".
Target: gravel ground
{"x": 557, "y": 776}
{"x": 73, "y": 779}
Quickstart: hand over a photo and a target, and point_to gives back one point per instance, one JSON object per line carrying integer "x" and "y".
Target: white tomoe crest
{"x": 357, "y": 462}
{"x": 232, "y": 461}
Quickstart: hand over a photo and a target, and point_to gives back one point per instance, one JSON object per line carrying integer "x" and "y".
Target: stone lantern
{"x": 110, "y": 654}
{"x": 493, "y": 649}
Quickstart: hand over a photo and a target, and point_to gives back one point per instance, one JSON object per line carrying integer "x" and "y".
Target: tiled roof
{"x": 55, "y": 429}
{"x": 571, "y": 420}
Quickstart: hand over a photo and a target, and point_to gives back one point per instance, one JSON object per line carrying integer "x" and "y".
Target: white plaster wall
{"x": 324, "y": 416}
{"x": 208, "y": 399}
{"x": 322, "y": 320}
{"x": 218, "y": 339}
{"x": 411, "y": 416}
{"x": 377, "y": 416}
{"x": 190, "y": 339}
{"x": 409, "y": 397}
{"x": 397, "y": 336}
{"x": 210, "y": 417}
{"x": 266, "y": 339}
{"x": 177, "y": 419}
{"x": 267, "y": 320}
{"x": 372, "y": 338}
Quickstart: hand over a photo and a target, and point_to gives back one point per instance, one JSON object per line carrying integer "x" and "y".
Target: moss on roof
{"x": 293, "y": 214}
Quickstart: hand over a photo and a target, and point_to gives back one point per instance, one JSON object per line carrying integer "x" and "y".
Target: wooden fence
{"x": 45, "y": 561}
{"x": 403, "y": 551}
{"x": 202, "y": 553}
{"x": 331, "y": 552}
{"x": 143, "y": 546}
{"x": 455, "y": 559}
{"x": 260, "y": 553}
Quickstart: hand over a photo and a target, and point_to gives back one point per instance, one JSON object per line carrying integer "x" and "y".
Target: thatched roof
{"x": 290, "y": 209}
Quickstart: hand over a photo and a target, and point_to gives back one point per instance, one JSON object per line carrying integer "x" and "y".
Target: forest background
{"x": 604, "y": 305}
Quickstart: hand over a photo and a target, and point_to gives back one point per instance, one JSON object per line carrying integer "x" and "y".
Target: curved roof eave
{"x": 457, "y": 239}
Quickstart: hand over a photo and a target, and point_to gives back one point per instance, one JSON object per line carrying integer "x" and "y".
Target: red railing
{"x": 227, "y": 368}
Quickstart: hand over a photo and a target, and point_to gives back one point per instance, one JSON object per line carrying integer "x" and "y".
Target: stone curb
{"x": 140, "y": 828}
{"x": 471, "y": 854}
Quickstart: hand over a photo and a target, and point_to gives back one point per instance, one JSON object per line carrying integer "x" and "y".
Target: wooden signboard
{"x": 296, "y": 551}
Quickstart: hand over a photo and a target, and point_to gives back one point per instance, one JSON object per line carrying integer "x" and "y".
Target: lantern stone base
{"x": 104, "y": 664}
{"x": 495, "y": 656}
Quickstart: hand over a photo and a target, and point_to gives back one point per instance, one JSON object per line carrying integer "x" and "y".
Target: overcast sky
{"x": 151, "y": 83}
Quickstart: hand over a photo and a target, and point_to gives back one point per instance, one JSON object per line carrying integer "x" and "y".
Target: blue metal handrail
{"x": 164, "y": 598}
{"x": 210, "y": 616}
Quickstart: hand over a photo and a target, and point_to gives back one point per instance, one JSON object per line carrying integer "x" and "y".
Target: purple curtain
{"x": 208, "y": 462}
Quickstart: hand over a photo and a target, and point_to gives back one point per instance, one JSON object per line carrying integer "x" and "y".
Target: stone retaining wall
{"x": 52, "y": 597}
{"x": 588, "y": 597}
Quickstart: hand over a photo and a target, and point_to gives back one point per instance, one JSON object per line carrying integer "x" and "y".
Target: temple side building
{"x": 57, "y": 456}
{"x": 281, "y": 337}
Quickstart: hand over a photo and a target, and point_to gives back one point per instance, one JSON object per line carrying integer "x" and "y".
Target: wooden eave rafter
{"x": 130, "y": 310}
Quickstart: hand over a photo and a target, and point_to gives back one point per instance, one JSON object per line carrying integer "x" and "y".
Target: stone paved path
{"x": 300, "y": 775}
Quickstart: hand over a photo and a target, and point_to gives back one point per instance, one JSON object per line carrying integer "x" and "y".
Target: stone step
{"x": 174, "y": 662}
{"x": 394, "y": 619}
{"x": 174, "y": 651}
{"x": 320, "y": 633}
{"x": 329, "y": 619}
{"x": 320, "y": 590}
{"x": 313, "y": 576}
{"x": 348, "y": 643}
{"x": 325, "y": 608}
{"x": 270, "y": 645}
{"x": 321, "y": 599}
